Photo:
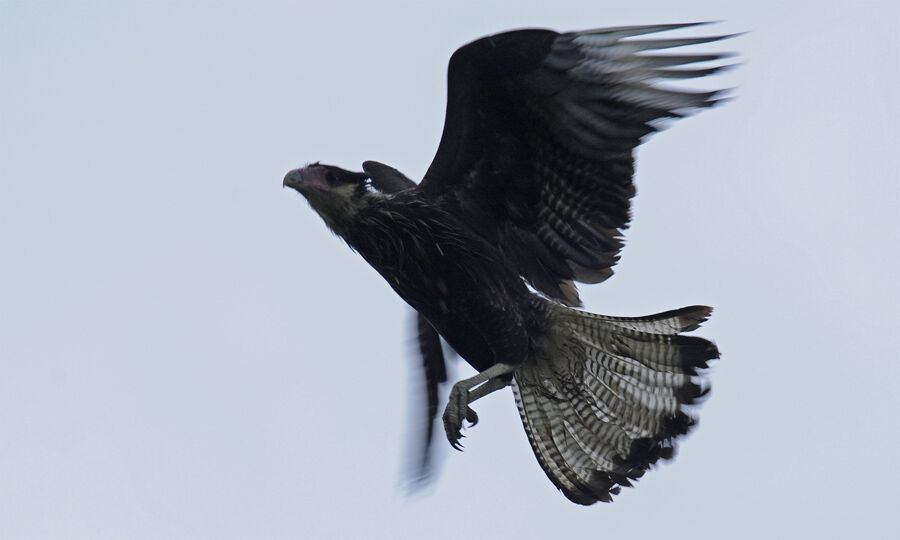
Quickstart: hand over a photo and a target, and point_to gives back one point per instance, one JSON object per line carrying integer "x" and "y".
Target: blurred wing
{"x": 538, "y": 141}
{"x": 435, "y": 370}
{"x": 430, "y": 351}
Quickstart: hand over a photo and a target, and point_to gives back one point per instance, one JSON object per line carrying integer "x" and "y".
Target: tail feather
{"x": 666, "y": 323}
{"x": 545, "y": 428}
{"x": 538, "y": 428}
{"x": 637, "y": 375}
{"x": 608, "y": 396}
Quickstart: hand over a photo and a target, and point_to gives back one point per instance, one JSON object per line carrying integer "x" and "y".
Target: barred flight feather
{"x": 607, "y": 396}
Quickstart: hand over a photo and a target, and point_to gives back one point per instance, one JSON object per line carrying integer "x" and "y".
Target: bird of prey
{"x": 529, "y": 192}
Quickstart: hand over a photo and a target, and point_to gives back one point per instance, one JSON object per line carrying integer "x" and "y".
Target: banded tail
{"x": 609, "y": 396}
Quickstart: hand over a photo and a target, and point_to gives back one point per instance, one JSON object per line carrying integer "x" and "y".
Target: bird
{"x": 529, "y": 193}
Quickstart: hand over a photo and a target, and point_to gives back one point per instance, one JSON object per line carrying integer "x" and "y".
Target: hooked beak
{"x": 307, "y": 179}
{"x": 293, "y": 179}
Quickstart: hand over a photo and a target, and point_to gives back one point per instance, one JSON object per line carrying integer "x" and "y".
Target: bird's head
{"x": 335, "y": 194}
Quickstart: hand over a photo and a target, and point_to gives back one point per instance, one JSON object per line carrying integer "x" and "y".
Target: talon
{"x": 471, "y": 416}
{"x": 453, "y": 425}
{"x": 462, "y": 394}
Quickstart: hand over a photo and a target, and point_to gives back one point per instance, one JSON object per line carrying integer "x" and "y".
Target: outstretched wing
{"x": 538, "y": 141}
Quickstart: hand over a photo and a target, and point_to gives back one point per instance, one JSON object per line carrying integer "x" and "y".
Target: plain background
{"x": 186, "y": 352}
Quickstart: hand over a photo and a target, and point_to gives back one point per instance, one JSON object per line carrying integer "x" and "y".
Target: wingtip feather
{"x": 642, "y": 29}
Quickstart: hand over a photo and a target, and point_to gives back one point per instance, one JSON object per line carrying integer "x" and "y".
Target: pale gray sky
{"x": 186, "y": 352}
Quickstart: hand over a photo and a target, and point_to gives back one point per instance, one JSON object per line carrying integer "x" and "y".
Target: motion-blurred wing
{"x": 435, "y": 370}
{"x": 430, "y": 350}
{"x": 538, "y": 141}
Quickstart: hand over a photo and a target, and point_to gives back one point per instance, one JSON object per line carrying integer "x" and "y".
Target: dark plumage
{"x": 531, "y": 184}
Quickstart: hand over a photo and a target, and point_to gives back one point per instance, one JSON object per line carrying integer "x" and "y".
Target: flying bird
{"x": 529, "y": 192}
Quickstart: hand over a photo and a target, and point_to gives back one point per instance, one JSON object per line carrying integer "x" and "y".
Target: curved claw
{"x": 458, "y": 446}
{"x": 471, "y": 416}
{"x": 462, "y": 394}
{"x": 453, "y": 416}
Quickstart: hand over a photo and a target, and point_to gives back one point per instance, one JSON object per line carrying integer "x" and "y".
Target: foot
{"x": 457, "y": 410}
{"x": 468, "y": 390}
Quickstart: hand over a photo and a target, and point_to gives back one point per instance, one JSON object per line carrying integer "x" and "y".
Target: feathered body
{"x": 465, "y": 287}
{"x": 531, "y": 185}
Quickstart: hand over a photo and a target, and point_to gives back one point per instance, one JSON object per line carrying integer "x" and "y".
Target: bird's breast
{"x": 457, "y": 281}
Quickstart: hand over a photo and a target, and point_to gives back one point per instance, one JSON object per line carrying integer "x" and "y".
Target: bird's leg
{"x": 465, "y": 392}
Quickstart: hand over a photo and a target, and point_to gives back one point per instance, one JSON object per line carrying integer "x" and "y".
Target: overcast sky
{"x": 186, "y": 352}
